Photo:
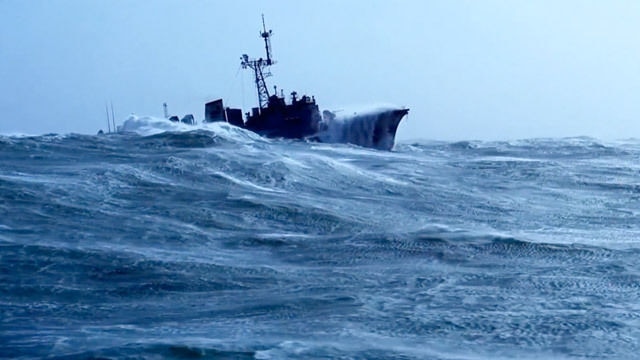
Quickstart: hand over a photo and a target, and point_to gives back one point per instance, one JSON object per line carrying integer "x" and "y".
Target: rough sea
{"x": 216, "y": 243}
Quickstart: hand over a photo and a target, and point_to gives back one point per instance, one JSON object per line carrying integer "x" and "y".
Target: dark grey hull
{"x": 301, "y": 119}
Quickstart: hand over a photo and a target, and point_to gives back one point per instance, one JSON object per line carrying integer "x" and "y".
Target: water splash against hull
{"x": 374, "y": 128}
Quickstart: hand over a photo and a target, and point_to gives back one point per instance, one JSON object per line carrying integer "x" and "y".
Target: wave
{"x": 159, "y": 349}
{"x": 213, "y": 242}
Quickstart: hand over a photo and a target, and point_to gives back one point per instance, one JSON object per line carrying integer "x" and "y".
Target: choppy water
{"x": 220, "y": 244}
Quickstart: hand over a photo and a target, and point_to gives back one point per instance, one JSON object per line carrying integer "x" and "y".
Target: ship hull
{"x": 301, "y": 119}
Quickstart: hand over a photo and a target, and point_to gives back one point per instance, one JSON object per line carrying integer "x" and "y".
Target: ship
{"x": 300, "y": 118}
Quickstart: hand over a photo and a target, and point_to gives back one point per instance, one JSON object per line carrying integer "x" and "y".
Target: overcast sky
{"x": 489, "y": 69}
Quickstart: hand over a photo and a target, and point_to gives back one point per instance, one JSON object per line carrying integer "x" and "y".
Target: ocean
{"x": 215, "y": 243}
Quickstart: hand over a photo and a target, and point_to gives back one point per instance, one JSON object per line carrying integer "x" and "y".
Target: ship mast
{"x": 259, "y": 67}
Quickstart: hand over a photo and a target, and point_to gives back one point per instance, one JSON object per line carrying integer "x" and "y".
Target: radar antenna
{"x": 259, "y": 67}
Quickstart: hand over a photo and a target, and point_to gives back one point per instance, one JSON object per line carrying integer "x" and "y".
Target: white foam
{"x": 149, "y": 125}
{"x": 245, "y": 183}
{"x": 18, "y": 135}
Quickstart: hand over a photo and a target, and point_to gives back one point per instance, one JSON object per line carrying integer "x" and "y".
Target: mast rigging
{"x": 259, "y": 67}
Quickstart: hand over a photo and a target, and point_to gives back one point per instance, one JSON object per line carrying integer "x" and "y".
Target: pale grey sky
{"x": 488, "y": 69}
